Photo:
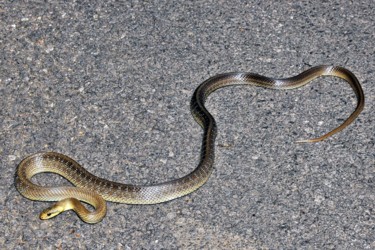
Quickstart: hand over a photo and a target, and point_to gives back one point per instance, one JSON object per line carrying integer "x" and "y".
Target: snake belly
{"x": 90, "y": 184}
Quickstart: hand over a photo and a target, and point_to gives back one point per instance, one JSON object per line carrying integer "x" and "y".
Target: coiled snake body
{"x": 92, "y": 189}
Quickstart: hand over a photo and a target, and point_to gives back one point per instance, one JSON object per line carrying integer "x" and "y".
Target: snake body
{"x": 92, "y": 189}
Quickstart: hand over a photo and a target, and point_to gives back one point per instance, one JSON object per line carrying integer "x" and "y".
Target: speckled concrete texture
{"x": 109, "y": 84}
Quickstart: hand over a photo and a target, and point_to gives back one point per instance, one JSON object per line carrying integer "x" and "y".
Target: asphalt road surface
{"x": 109, "y": 84}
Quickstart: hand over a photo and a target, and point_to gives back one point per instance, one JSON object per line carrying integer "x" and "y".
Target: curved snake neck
{"x": 151, "y": 194}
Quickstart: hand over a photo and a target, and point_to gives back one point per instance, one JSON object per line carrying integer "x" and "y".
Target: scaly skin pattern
{"x": 90, "y": 188}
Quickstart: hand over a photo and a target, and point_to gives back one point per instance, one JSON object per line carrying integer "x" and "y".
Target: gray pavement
{"x": 109, "y": 84}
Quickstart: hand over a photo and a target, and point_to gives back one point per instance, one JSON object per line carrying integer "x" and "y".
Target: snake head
{"x": 51, "y": 211}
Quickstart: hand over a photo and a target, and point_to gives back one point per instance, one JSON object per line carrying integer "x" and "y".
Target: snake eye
{"x": 49, "y": 214}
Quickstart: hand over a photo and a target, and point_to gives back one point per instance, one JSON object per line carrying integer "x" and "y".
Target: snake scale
{"x": 95, "y": 190}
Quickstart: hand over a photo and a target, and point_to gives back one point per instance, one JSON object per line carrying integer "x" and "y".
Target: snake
{"x": 95, "y": 191}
